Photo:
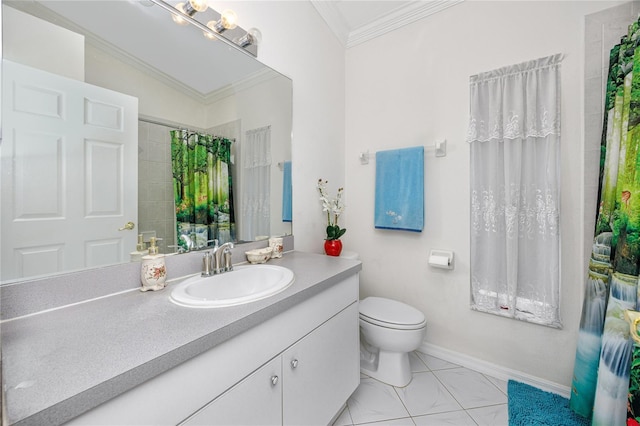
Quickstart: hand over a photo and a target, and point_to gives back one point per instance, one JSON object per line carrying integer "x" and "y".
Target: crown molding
{"x": 333, "y": 18}
{"x": 393, "y": 20}
{"x": 254, "y": 79}
{"x": 397, "y": 19}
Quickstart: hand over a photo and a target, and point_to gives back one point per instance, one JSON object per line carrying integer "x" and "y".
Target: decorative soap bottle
{"x": 154, "y": 272}
{"x": 140, "y": 250}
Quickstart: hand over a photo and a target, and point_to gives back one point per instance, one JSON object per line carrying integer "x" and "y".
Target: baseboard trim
{"x": 493, "y": 370}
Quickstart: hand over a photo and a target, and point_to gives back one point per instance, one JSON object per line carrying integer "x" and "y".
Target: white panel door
{"x": 69, "y": 164}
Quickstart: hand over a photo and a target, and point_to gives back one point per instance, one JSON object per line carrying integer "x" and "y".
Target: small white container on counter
{"x": 259, "y": 255}
{"x": 277, "y": 244}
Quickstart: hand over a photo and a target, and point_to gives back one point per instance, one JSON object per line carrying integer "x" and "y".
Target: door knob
{"x": 274, "y": 380}
{"x": 128, "y": 226}
{"x": 294, "y": 363}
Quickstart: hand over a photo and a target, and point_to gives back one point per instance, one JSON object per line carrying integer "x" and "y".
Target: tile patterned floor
{"x": 441, "y": 393}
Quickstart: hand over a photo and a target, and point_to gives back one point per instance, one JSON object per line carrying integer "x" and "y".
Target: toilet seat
{"x": 391, "y": 314}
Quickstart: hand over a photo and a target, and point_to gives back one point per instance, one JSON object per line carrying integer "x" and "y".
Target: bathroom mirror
{"x": 181, "y": 80}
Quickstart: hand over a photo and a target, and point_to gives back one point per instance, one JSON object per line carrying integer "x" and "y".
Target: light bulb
{"x": 191, "y": 7}
{"x": 228, "y": 21}
{"x": 199, "y": 5}
{"x": 177, "y": 18}
{"x": 253, "y": 36}
{"x": 212, "y": 26}
{"x": 256, "y": 35}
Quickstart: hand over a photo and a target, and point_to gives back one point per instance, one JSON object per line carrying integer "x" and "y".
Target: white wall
{"x": 156, "y": 99}
{"x": 37, "y": 43}
{"x": 297, "y": 43}
{"x": 410, "y": 87}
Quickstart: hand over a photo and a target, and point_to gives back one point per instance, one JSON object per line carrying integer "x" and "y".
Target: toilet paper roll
{"x": 439, "y": 261}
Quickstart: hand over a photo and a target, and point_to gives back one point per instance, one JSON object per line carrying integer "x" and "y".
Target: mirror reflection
{"x": 101, "y": 102}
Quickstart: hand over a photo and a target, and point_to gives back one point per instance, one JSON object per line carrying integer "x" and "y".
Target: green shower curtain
{"x": 600, "y": 386}
{"x": 203, "y": 188}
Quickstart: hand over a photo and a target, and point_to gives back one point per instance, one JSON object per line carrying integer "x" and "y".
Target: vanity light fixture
{"x": 183, "y": 14}
{"x": 253, "y": 36}
{"x": 189, "y": 8}
{"x": 228, "y": 21}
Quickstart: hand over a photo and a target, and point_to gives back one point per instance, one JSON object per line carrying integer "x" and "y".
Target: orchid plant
{"x": 334, "y": 208}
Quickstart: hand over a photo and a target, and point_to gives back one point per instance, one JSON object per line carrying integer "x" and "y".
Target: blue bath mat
{"x": 530, "y": 406}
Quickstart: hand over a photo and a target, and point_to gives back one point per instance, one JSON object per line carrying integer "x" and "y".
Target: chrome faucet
{"x": 223, "y": 251}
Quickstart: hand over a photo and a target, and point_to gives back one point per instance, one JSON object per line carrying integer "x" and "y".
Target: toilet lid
{"x": 391, "y": 312}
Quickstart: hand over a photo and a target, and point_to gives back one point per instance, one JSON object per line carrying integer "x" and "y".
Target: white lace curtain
{"x": 514, "y": 133}
{"x": 256, "y": 183}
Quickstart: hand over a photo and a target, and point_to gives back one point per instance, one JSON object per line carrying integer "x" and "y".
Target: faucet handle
{"x": 206, "y": 264}
{"x": 227, "y": 258}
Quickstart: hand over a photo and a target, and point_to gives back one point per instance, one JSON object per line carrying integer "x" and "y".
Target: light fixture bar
{"x": 248, "y": 50}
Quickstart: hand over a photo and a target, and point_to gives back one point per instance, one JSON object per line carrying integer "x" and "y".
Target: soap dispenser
{"x": 154, "y": 272}
{"x": 140, "y": 250}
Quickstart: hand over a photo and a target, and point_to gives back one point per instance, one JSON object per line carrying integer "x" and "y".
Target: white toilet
{"x": 389, "y": 330}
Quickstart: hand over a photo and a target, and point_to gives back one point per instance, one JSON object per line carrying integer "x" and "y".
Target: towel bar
{"x": 440, "y": 148}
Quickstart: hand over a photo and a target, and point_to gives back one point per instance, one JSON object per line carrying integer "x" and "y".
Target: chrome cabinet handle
{"x": 274, "y": 380}
{"x": 294, "y": 363}
{"x": 128, "y": 226}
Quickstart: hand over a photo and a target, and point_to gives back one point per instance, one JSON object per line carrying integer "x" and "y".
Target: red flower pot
{"x": 333, "y": 247}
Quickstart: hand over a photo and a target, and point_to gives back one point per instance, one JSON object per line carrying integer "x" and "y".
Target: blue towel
{"x": 286, "y": 192}
{"x": 400, "y": 189}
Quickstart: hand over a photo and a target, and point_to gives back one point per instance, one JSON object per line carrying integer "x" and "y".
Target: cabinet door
{"x": 322, "y": 370}
{"x": 256, "y": 400}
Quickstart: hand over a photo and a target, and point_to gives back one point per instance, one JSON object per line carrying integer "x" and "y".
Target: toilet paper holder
{"x": 441, "y": 259}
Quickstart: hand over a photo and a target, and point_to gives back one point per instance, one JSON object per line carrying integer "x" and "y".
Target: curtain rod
{"x": 178, "y": 127}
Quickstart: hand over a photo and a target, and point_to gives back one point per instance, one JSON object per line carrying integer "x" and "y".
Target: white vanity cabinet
{"x": 303, "y": 386}
{"x": 312, "y": 348}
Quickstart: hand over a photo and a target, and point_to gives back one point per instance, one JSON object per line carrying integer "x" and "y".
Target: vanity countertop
{"x": 60, "y": 363}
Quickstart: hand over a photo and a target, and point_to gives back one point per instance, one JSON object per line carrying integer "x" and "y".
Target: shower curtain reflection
{"x": 203, "y": 189}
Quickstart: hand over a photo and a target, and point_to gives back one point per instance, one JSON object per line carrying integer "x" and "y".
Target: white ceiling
{"x": 356, "y": 21}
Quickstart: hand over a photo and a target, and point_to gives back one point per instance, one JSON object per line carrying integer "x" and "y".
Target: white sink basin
{"x": 246, "y": 283}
